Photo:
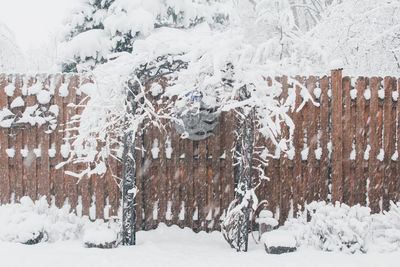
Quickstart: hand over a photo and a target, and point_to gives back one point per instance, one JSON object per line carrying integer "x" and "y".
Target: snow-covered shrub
{"x": 342, "y": 228}
{"x": 279, "y": 241}
{"x": 101, "y": 235}
{"x": 333, "y": 227}
{"x": 386, "y": 229}
{"x": 27, "y": 220}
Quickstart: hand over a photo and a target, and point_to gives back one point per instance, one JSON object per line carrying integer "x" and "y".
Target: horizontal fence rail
{"x": 346, "y": 149}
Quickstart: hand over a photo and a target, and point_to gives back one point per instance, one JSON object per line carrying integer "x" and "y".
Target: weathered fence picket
{"x": 348, "y": 143}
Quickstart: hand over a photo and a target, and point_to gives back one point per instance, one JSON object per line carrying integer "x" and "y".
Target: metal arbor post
{"x": 245, "y": 150}
{"x": 129, "y": 188}
{"x": 146, "y": 73}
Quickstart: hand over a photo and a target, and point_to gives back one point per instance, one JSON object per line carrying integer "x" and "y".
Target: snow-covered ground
{"x": 172, "y": 246}
{"x": 65, "y": 234}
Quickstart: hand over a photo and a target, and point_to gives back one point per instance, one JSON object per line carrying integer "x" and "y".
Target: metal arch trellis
{"x": 146, "y": 73}
{"x": 244, "y": 149}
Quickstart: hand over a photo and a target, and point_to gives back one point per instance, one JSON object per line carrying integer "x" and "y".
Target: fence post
{"x": 337, "y": 136}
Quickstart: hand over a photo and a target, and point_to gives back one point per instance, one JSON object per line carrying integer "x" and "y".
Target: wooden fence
{"x": 345, "y": 150}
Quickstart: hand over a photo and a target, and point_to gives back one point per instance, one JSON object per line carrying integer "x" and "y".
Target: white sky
{"x": 33, "y": 21}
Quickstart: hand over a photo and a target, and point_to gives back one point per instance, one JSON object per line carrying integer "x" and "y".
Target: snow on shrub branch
{"x": 338, "y": 227}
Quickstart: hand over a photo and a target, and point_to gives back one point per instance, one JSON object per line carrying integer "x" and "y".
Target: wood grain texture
{"x": 337, "y": 137}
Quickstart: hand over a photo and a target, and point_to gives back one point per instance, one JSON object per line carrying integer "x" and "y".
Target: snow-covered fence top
{"x": 345, "y": 149}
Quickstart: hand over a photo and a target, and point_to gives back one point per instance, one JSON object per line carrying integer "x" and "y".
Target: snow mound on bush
{"x": 348, "y": 229}
{"x": 100, "y": 233}
{"x": 24, "y": 221}
{"x": 279, "y": 238}
{"x": 386, "y": 229}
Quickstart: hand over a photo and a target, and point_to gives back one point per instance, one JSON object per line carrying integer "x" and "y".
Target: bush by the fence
{"x": 31, "y": 222}
{"x": 386, "y": 229}
{"x": 348, "y": 229}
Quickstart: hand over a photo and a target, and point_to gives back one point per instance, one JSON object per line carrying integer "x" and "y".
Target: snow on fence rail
{"x": 345, "y": 150}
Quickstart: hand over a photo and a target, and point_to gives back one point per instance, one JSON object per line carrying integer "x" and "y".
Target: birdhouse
{"x": 265, "y": 221}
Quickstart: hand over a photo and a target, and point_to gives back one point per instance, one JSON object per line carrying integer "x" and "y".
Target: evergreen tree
{"x": 89, "y": 16}
{"x": 99, "y": 28}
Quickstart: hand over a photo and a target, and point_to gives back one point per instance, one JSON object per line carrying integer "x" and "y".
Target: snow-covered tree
{"x": 11, "y": 57}
{"x": 365, "y": 37}
{"x": 99, "y": 28}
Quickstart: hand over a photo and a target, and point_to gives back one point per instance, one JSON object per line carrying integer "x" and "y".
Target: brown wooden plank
{"x": 389, "y": 140}
{"x": 44, "y": 161}
{"x": 180, "y": 209}
{"x": 317, "y": 151}
{"x": 317, "y": 137}
{"x": 392, "y": 143}
{"x": 162, "y": 174}
{"x": 298, "y": 146}
{"x": 189, "y": 201}
{"x": 70, "y": 182}
{"x": 275, "y": 164}
{"x": 100, "y": 195}
{"x": 367, "y": 130}
{"x": 302, "y": 181}
{"x": 325, "y": 115}
{"x": 230, "y": 141}
{"x": 179, "y": 187}
{"x": 155, "y": 176}
{"x": 361, "y": 142}
{"x": 170, "y": 163}
{"x": 337, "y": 136}
{"x": 148, "y": 179}
{"x": 38, "y": 151}
{"x": 379, "y": 150}
{"x": 203, "y": 209}
{"x": 11, "y": 136}
{"x": 373, "y": 194}
{"x": 59, "y": 172}
{"x": 197, "y": 188}
{"x": 209, "y": 182}
{"x": 348, "y": 140}
{"x": 353, "y": 118}
{"x": 265, "y": 190}
{"x": 304, "y": 190}
{"x": 84, "y": 193}
{"x": 216, "y": 178}
{"x": 397, "y": 184}
{"x": 51, "y": 84}
{"x": 359, "y": 132}
{"x": 4, "y": 167}
{"x": 176, "y": 153}
{"x": 272, "y": 187}
{"x": 44, "y": 179}
{"x": 15, "y": 142}
{"x": 286, "y": 174}
{"x": 223, "y": 148}
{"x": 312, "y": 143}
{"x": 139, "y": 182}
{"x": 29, "y": 161}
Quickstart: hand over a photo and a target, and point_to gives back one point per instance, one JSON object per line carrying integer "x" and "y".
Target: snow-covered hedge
{"x": 27, "y": 220}
{"x": 386, "y": 229}
{"x": 348, "y": 229}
